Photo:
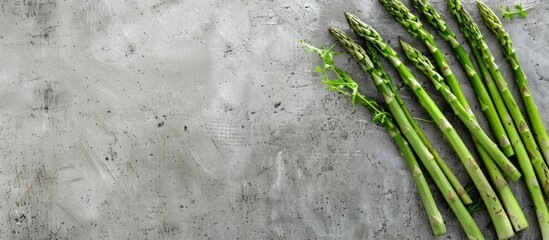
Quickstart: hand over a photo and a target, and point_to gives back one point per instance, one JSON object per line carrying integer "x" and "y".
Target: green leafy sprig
{"x": 344, "y": 84}
{"x": 475, "y": 196}
{"x": 516, "y": 11}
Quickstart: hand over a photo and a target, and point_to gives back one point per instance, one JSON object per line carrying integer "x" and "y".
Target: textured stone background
{"x": 174, "y": 119}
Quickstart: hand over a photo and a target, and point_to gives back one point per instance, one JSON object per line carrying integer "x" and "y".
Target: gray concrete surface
{"x": 174, "y": 119}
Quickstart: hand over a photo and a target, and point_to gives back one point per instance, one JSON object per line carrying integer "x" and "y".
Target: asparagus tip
{"x": 351, "y": 18}
{"x": 403, "y": 43}
{"x": 348, "y": 15}
{"x": 336, "y": 32}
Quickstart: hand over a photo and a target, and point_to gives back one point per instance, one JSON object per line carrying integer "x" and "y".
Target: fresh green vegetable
{"x": 495, "y": 209}
{"x": 415, "y": 27}
{"x": 522, "y": 156}
{"x": 344, "y": 84}
{"x": 401, "y": 13}
{"x": 517, "y": 10}
{"x": 508, "y": 198}
{"x": 517, "y": 219}
{"x": 425, "y": 156}
{"x": 472, "y": 31}
{"x": 526, "y": 160}
{"x": 466, "y": 117}
{"x": 495, "y": 25}
{"x": 371, "y": 51}
{"x": 487, "y": 106}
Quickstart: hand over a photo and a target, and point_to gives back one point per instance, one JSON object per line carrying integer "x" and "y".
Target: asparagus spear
{"x": 509, "y": 201}
{"x": 344, "y": 84}
{"x": 495, "y": 209}
{"x": 476, "y": 40}
{"x": 466, "y": 117}
{"x": 371, "y": 51}
{"x": 465, "y": 219}
{"x": 402, "y": 14}
{"x": 522, "y": 156}
{"x": 508, "y": 198}
{"x": 415, "y": 27}
{"x": 495, "y": 25}
{"x": 525, "y": 163}
{"x": 487, "y": 106}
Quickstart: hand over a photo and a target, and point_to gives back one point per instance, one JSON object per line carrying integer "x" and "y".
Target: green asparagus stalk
{"x": 344, "y": 84}
{"x": 466, "y": 117}
{"x": 487, "y": 106}
{"x": 508, "y": 198}
{"x": 463, "y": 195}
{"x": 415, "y": 27}
{"x": 522, "y": 155}
{"x": 495, "y": 209}
{"x": 495, "y": 25}
{"x": 475, "y": 38}
{"x": 526, "y": 161}
{"x": 465, "y": 219}
{"x": 509, "y": 201}
{"x": 403, "y": 15}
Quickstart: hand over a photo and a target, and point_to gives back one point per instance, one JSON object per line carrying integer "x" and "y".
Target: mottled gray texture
{"x": 205, "y": 120}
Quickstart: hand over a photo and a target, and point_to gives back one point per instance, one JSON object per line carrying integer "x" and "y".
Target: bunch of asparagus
{"x": 512, "y": 133}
